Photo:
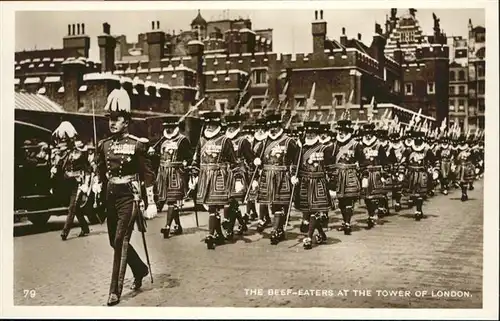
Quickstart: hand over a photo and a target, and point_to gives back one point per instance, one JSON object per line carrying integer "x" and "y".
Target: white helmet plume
{"x": 118, "y": 100}
{"x": 65, "y": 130}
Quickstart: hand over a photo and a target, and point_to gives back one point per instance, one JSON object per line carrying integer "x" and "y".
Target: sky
{"x": 291, "y": 28}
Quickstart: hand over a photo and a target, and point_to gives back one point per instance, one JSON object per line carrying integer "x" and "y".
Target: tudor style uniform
{"x": 74, "y": 168}
{"x": 172, "y": 180}
{"x": 122, "y": 165}
{"x": 344, "y": 171}
{"x": 214, "y": 158}
{"x": 418, "y": 159}
{"x": 239, "y": 175}
{"x": 444, "y": 159}
{"x": 313, "y": 197}
{"x": 251, "y": 211}
{"x": 373, "y": 178}
{"x": 464, "y": 166}
{"x": 279, "y": 163}
{"x": 396, "y": 161}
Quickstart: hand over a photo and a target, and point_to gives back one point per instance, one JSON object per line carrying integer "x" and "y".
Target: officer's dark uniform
{"x": 122, "y": 164}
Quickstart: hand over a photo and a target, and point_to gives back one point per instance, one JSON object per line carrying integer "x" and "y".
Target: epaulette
{"x": 102, "y": 141}
{"x": 140, "y": 139}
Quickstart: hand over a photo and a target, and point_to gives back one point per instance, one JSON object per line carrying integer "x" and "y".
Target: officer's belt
{"x": 165, "y": 163}
{"x": 372, "y": 168}
{"x": 214, "y": 165}
{"x": 344, "y": 166}
{"x": 275, "y": 167}
{"x": 310, "y": 174}
{"x": 122, "y": 179}
{"x": 74, "y": 174}
{"x": 415, "y": 167}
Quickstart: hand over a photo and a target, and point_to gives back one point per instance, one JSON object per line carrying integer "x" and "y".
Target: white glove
{"x": 364, "y": 182}
{"x": 401, "y": 177}
{"x": 151, "y": 151}
{"x": 97, "y": 188}
{"x": 294, "y": 180}
{"x": 238, "y": 186}
{"x": 333, "y": 194}
{"x": 151, "y": 212}
{"x": 255, "y": 184}
{"x": 192, "y": 183}
{"x": 383, "y": 180}
{"x": 257, "y": 161}
{"x": 453, "y": 167}
{"x": 84, "y": 188}
{"x": 435, "y": 175}
{"x": 53, "y": 170}
{"x": 477, "y": 171}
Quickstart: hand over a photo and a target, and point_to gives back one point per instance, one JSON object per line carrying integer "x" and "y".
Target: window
{"x": 339, "y": 98}
{"x": 300, "y": 102}
{"x": 481, "y": 122}
{"x": 408, "y": 89}
{"x": 480, "y": 71}
{"x": 461, "y": 104}
{"x": 461, "y": 75}
{"x": 481, "y": 106}
{"x": 461, "y": 90}
{"x": 452, "y": 75}
{"x": 452, "y": 90}
{"x": 259, "y": 77}
{"x": 481, "y": 88}
{"x": 430, "y": 87}
{"x": 220, "y": 104}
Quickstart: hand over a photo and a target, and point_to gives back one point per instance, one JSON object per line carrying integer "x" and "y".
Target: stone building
{"x": 477, "y": 77}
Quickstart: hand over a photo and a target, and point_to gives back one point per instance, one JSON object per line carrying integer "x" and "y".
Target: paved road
{"x": 443, "y": 252}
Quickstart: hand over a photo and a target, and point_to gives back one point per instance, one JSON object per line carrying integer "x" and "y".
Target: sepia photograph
{"x": 225, "y": 155}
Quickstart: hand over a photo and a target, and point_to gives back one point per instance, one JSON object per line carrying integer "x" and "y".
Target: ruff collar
{"x": 172, "y": 135}
{"x": 233, "y": 134}
{"x": 369, "y": 142}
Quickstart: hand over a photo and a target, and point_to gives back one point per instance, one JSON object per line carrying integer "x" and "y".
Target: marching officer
{"x": 240, "y": 182}
{"x": 122, "y": 165}
{"x": 396, "y": 159}
{"x": 344, "y": 171}
{"x": 213, "y": 162}
{"x": 279, "y": 162}
{"x": 248, "y": 131}
{"x": 464, "y": 166}
{"x": 313, "y": 194}
{"x": 74, "y": 168}
{"x": 372, "y": 176}
{"x": 418, "y": 159}
{"x": 326, "y": 138}
{"x": 444, "y": 158}
{"x": 172, "y": 179}
{"x": 389, "y": 157}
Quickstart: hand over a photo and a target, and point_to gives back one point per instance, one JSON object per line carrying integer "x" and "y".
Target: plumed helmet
{"x": 65, "y": 131}
{"x": 118, "y": 101}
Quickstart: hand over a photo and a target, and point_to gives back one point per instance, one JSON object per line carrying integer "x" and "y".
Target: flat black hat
{"x": 171, "y": 121}
{"x": 213, "y": 117}
{"x": 368, "y": 128}
{"x": 233, "y": 120}
{"x": 312, "y": 126}
{"x": 273, "y": 120}
{"x": 344, "y": 125}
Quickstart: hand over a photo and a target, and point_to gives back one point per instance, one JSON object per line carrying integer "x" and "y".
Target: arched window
{"x": 461, "y": 75}
{"x": 452, "y": 75}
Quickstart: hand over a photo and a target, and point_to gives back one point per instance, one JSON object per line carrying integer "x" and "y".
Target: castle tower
{"x": 318, "y": 33}
{"x": 199, "y": 26}
{"x": 156, "y": 45}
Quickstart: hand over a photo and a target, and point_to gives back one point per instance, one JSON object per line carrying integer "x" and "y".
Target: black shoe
{"x": 464, "y": 197}
{"x": 137, "y": 284}
{"x": 219, "y": 239}
{"x": 113, "y": 299}
{"x": 371, "y": 222}
{"x": 210, "y": 241}
{"x": 166, "y": 232}
{"x": 304, "y": 226}
{"x": 64, "y": 236}
{"x": 307, "y": 243}
{"x": 229, "y": 236}
{"x": 418, "y": 216}
{"x": 320, "y": 238}
{"x": 261, "y": 226}
{"x": 277, "y": 236}
{"x": 445, "y": 192}
{"x": 83, "y": 233}
{"x": 347, "y": 229}
{"x": 242, "y": 229}
{"x": 246, "y": 218}
{"x": 253, "y": 217}
{"x": 471, "y": 187}
{"x": 177, "y": 230}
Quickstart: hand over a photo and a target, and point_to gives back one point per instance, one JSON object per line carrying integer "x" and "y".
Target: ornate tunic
{"x": 344, "y": 169}
{"x": 445, "y": 157}
{"x": 278, "y": 159}
{"x": 215, "y": 158}
{"x": 172, "y": 178}
{"x": 373, "y": 158}
{"x": 256, "y": 150}
{"x": 417, "y": 159}
{"x": 465, "y": 168}
{"x": 122, "y": 160}
{"x": 244, "y": 162}
{"x": 312, "y": 188}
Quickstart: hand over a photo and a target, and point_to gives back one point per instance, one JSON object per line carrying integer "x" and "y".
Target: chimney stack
{"x": 152, "y": 25}
{"x": 73, "y": 29}
{"x": 77, "y": 28}
{"x": 359, "y": 36}
{"x": 315, "y": 14}
{"x": 69, "y": 30}
{"x": 158, "y": 25}
{"x": 321, "y": 14}
{"x": 83, "y": 28}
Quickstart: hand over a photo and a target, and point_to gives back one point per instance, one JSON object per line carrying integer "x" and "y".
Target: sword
{"x": 141, "y": 222}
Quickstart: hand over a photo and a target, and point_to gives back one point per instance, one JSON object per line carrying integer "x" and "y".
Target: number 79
{"x": 29, "y": 293}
